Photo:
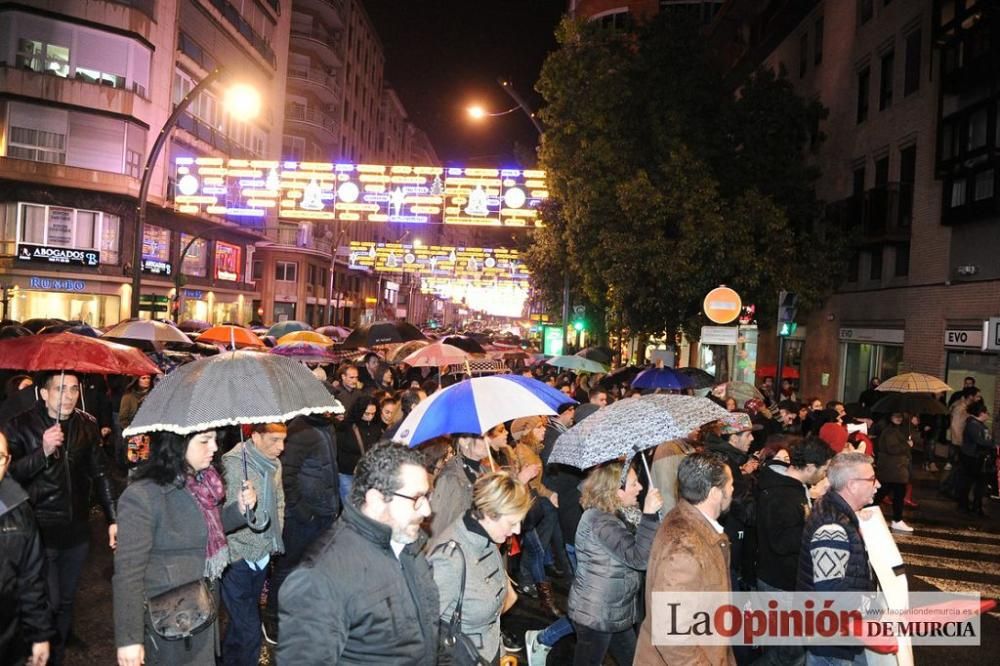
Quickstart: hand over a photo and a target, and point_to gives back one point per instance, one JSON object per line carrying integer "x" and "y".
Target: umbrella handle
{"x": 645, "y": 463}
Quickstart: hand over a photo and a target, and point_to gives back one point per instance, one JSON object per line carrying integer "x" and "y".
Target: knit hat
{"x": 522, "y": 426}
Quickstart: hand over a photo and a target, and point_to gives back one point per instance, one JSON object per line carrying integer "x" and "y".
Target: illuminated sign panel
{"x": 259, "y": 189}
{"x": 466, "y": 263}
{"x": 227, "y": 261}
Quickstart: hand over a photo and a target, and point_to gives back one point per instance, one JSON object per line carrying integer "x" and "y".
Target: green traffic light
{"x": 787, "y": 329}
{"x": 578, "y": 325}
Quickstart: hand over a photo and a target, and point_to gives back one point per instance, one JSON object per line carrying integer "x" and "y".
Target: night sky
{"x": 442, "y": 55}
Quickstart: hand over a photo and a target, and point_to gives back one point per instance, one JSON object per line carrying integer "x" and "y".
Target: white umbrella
{"x": 157, "y": 332}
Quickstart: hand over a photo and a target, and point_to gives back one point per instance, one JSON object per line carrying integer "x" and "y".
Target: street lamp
{"x": 242, "y": 101}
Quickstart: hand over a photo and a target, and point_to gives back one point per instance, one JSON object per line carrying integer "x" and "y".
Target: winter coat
{"x": 782, "y": 507}
{"x": 975, "y": 439}
{"x": 264, "y": 538}
{"x": 309, "y": 469}
{"x": 351, "y": 601}
{"x": 485, "y": 582}
{"x": 666, "y": 459}
{"x": 349, "y": 450}
{"x": 60, "y": 488}
{"x": 162, "y": 538}
{"x": 130, "y": 405}
{"x": 688, "y": 555}
{"x": 739, "y": 520}
{"x": 894, "y": 454}
{"x": 452, "y": 494}
{"x": 25, "y": 614}
{"x": 611, "y": 561}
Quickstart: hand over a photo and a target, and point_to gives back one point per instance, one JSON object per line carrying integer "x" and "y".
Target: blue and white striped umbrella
{"x": 475, "y": 405}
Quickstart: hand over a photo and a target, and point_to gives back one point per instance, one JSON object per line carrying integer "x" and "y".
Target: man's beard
{"x": 400, "y": 535}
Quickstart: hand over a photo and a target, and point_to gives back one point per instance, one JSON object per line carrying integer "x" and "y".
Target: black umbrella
{"x": 35, "y": 325}
{"x": 621, "y": 376}
{"x": 465, "y": 343}
{"x": 382, "y": 333}
{"x": 13, "y": 331}
{"x": 600, "y": 354}
{"x": 909, "y": 403}
{"x": 699, "y": 377}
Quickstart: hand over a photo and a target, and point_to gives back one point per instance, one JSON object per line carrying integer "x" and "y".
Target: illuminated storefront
{"x": 38, "y": 297}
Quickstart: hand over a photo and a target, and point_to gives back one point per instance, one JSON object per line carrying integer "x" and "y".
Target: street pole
{"x": 565, "y": 311}
{"x": 147, "y": 175}
{"x": 780, "y": 369}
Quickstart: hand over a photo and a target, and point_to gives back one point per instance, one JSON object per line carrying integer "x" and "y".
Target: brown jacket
{"x": 525, "y": 455}
{"x": 688, "y": 555}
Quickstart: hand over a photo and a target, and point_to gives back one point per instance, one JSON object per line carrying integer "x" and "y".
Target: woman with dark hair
{"x": 359, "y": 432}
{"x": 173, "y": 526}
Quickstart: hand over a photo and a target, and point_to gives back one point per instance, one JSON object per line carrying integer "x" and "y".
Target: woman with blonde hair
{"x": 468, "y": 549}
{"x": 612, "y": 550}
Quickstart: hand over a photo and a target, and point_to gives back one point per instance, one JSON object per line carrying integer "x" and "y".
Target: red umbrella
{"x": 770, "y": 371}
{"x": 69, "y": 351}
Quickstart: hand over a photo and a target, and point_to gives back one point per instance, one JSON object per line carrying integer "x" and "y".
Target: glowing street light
{"x": 243, "y": 103}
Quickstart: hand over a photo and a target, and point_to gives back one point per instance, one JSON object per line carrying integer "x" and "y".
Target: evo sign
{"x": 57, "y": 255}
{"x": 964, "y": 339}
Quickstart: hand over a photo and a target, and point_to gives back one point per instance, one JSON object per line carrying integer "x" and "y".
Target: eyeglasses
{"x": 4, "y": 457}
{"x": 870, "y": 479}
{"x": 419, "y": 502}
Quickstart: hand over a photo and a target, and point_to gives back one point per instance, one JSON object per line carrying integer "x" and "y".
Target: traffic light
{"x": 788, "y": 305}
{"x": 578, "y": 325}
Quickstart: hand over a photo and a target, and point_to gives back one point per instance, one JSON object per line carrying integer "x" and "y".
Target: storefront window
{"x": 237, "y": 312}
{"x": 227, "y": 261}
{"x": 746, "y": 355}
{"x": 863, "y": 361}
{"x": 55, "y": 226}
{"x": 92, "y": 309}
{"x": 984, "y": 368}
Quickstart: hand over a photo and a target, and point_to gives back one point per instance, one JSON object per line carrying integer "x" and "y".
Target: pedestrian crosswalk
{"x": 952, "y": 559}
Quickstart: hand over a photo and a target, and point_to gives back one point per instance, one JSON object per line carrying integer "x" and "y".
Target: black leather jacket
{"x": 60, "y": 488}
{"x": 25, "y": 614}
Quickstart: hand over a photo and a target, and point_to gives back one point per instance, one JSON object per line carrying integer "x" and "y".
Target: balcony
{"x": 314, "y": 76}
{"x": 205, "y": 132}
{"x": 326, "y": 42}
{"x": 232, "y": 15}
{"x": 300, "y": 237}
{"x": 310, "y": 117}
{"x": 880, "y": 215}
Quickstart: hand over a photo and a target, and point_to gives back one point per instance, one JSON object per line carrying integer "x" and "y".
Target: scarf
{"x": 267, "y": 501}
{"x": 208, "y": 492}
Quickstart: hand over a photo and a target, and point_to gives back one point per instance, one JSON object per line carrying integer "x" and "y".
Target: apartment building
{"x": 908, "y": 169}
{"x": 85, "y": 88}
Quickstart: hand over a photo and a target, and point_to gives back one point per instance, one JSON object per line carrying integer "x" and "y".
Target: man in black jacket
{"x": 364, "y": 594}
{"x": 783, "y": 502}
{"x": 58, "y": 460}
{"x": 25, "y": 615}
{"x": 312, "y": 499}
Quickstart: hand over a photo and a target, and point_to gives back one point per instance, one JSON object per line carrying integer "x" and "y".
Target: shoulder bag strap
{"x": 456, "y": 616}
{"x": 357, "y": 436}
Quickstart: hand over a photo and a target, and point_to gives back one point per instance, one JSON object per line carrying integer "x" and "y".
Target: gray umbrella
{"x": 232, "y": 388}
{"x": 628, "y": 426}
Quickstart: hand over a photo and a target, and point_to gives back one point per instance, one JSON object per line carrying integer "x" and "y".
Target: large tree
{"x": 666, "y": 182}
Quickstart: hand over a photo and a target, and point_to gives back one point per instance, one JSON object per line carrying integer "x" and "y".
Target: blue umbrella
{"x": 662, "y": 378}
{"x": 476, "y": 405}
{"x": 283, "y": 327}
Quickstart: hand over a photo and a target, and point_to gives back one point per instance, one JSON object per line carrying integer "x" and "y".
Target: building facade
{"x": 84, "y": 90}
{"x": 908, "y": 168}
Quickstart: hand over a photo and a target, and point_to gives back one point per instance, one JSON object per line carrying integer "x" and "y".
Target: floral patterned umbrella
{"x": 630, "y": 426}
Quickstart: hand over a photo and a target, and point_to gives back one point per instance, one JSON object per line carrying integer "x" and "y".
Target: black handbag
{"x": 183, "y": 611}
{"x": 455, "y": 648}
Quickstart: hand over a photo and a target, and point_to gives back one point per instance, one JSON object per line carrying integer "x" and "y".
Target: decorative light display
{"x": 261, "y": 189}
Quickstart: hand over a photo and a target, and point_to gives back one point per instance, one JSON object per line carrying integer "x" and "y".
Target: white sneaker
{"x": 947, "y": 467}
{"x": 900, "y": 526}
{"x": 537, "y": 652}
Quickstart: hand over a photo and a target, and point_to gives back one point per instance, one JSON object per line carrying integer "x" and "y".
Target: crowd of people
{"x": 366, "y": 551}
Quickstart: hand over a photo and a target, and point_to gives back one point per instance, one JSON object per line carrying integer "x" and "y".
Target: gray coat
{"x": 451, "y": 497}
{"x": 162, "y": 538}
{"x": 611, "y": 559}
{"x": 485, "y": 584}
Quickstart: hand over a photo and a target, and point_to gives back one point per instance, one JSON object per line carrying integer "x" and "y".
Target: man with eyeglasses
{"x": 58, "y": 459}
{"x": 364, "y": 594}
{"x": 25, "y": 617}
{"x": 833, "y": 556}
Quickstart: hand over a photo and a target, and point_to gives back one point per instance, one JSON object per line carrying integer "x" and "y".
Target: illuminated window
{"x": 156, "y": 243}
{"x": 57, "y": 226}
{"x": 195, "y": 261}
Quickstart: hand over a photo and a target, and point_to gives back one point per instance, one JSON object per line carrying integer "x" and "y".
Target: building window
{"x": 911, "y": 73}
{"x": 803, "y": 54}
{"x": 310, "y": 274}
{"x": 875, "y": 266}
{"x": 195, "y": 261}
{"x": 257, "y": 270}
{"x": 949, "y": 140}
{"x": 43, "y": 57}
{"x": 286, "y": 271}
{"x": 885, "y": 80}
{"x": 976, "y": 131}
{"x": 866, "y": 9}
{"x": 902, "y": 268}
{"x": 156, "y": 243}
{"x": 864, "y": 80}
{"x": 958, "y": 193}
{"x": 818, "y": 42}
{"x": 55, "y": 226}
{"x": 983, "y": 185}
{"x": 133, "y": 163}
{"x": 37, "y": 145}
{"x": 853, "y": 267}
{"x": 882, "y": 171}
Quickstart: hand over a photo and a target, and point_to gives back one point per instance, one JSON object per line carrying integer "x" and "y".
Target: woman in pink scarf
{"x": 172, "y": 526}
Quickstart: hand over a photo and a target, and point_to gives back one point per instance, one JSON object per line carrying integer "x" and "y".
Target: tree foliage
{"x": 665, "y": 183}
